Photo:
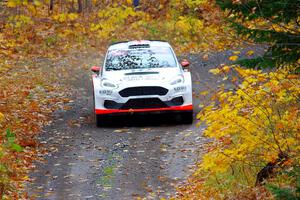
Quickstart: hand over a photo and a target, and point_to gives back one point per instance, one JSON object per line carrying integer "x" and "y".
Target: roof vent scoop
{"x": 139, "y": 46}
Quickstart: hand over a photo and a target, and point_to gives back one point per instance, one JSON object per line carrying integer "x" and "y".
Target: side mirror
{"x": 185, "y": 63}
{"x": 95, "y": 69}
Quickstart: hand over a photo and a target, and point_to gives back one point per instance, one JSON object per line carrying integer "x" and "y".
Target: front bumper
{"x": 176, "y": 99}
{"x": 145, "y": 110}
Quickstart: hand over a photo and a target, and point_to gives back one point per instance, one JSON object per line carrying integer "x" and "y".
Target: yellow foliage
{"x": 1, "y": 117}
{"x": 129, "y": 2}
{"x": 195, "y": 3}
{"x": 112, "y": 19}
{"x": 65, "y": 17}
{"x": 188, "y": 25}
{"x": 252, "y": 125}
{"x": 215, "y": 71}
{"x": 250, "y": 53}
{"x": 19, "y": 21}
{"x": 12, "y": 3}
{"x": 233, "y": 58}
{"x": 72, "y": 16}
{"x": 226, "y": 68}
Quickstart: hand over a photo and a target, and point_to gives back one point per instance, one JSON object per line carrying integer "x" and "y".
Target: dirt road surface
{"x": 138, "y": 157}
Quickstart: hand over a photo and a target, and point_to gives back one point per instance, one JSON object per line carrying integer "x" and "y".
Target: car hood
{"x": 158, "y": 74}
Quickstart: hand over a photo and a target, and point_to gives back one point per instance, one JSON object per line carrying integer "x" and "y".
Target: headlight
{"x": 106, "y": 83}
{"x": 176, "y": 80}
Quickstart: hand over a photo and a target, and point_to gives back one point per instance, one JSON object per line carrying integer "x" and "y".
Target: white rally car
{"x": 142, "y": 77}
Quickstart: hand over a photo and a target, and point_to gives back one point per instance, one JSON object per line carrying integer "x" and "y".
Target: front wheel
{"x": 187, "y": 117}
{"x": 101, "y": 120}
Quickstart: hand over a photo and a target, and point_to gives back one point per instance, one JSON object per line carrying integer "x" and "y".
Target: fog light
{"x": 110, "y": 104}
{"x": 177, "y": 101}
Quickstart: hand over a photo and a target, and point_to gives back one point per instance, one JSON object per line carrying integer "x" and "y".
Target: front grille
{"x": 147, "y": 90}
{"x": 143, "y": 103}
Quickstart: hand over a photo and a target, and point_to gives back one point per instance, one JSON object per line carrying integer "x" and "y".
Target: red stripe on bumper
{"x": 173, "y": 108}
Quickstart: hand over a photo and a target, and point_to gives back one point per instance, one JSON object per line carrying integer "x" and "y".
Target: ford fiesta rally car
{"x": 142, "y": 77}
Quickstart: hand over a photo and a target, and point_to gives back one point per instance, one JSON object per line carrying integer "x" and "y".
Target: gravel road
{"x": 138, "y": 157}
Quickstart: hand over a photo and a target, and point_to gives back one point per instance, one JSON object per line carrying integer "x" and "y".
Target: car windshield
{"x": 139, "y": 58}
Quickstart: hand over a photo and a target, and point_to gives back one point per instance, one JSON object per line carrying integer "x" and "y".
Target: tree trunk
{"x": 80, "y": 6}
{"x": 1, "y": 190}
{"x": 51, "y": 5}
{"x": 87, "y": 5}
{"x": 268, "y": 170}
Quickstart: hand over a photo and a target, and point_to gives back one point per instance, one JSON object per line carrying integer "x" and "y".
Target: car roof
{"x": 127, "y": 44}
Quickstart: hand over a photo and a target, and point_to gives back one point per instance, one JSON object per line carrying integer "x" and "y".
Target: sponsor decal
{"x": 105, "y": 92}
{"x": 180, "y": 88}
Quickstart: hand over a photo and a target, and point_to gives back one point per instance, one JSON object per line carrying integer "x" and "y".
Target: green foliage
{"x": 51, "y": 40}
{"x": 10, "y": 137}
{"x": 282, "y": 193}
{"x": 275, "y": 23}
{"x": 290, "y": 192}
{"x": 262, "y": 62}
{"x": 7, "y": 165}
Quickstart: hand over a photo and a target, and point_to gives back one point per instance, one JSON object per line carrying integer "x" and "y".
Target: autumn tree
{"x": 274, "y": 23}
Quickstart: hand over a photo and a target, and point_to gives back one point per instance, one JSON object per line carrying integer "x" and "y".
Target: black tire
{"x": 101, "y": 120}
{"x": 187, "y": 117}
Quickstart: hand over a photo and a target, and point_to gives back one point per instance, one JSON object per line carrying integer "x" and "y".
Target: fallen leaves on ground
{"x": 26, "y": 102}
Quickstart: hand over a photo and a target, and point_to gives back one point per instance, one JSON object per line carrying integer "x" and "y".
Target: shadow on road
{"x": 143, "y": 120}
